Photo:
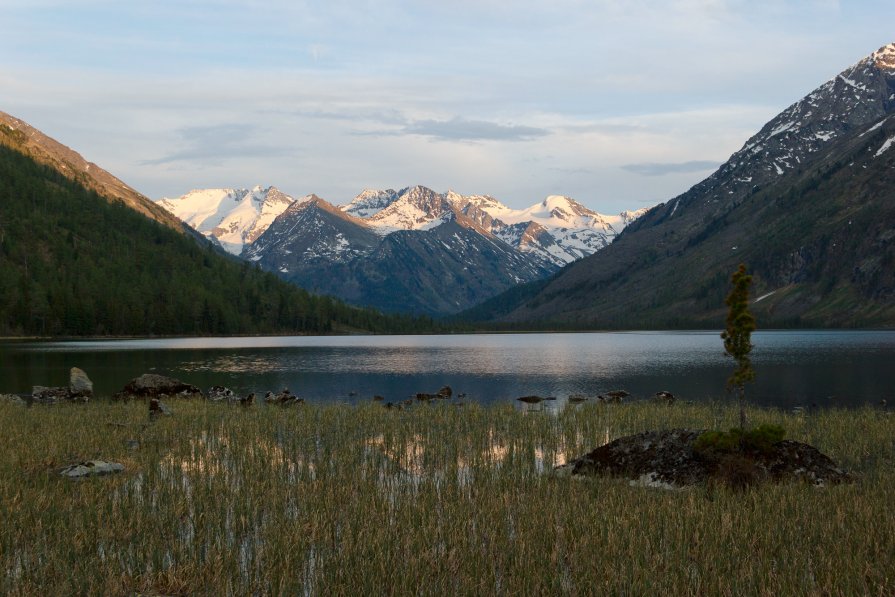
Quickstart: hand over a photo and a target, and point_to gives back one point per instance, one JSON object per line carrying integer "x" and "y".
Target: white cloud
{"x": 516, "y": 99}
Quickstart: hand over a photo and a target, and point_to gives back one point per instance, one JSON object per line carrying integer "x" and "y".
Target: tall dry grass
{"x": 433, "y": 500}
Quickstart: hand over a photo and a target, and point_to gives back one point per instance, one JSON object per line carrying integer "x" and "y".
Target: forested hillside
{"x": 75, "y": 263}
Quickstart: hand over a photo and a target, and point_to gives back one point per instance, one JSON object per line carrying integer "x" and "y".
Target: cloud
{"x": 661, "y": 169}
{"x": 461, "y": 129}
{"x": 213, "y": 144}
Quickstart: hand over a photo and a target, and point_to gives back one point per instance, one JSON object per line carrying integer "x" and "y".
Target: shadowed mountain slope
{"x": 808, "y": 204}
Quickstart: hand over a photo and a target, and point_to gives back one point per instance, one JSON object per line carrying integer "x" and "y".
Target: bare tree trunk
{"x": 742, "y": 395}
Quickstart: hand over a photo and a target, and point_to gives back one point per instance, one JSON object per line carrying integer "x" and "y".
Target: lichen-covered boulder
{"x": 668, "y": 459}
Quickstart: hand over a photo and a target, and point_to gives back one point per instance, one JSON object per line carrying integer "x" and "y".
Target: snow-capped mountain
{"x": 232, "y": 217}
{"x": 311, "y": 233}
{"x": 558, "y": 230}
{"x": 410, "y": 250}
{"x": 860, "y": 95}
{"x": 443, "y": 265}
{"x": 808, "y": 204}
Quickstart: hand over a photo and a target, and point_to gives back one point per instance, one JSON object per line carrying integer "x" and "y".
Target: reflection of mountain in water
{"x": 793, "y": 368}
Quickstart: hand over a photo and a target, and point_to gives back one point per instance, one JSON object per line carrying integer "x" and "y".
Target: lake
{"x": 845, "y": 368}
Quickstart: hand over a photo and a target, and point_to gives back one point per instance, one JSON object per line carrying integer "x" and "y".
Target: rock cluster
{"x": 219, "y": 393}
{"x": 443, "y": 393}
{"x": 284, "y": 398}
{"x": 79, "y": 389}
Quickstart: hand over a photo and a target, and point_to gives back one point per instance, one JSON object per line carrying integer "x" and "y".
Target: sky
{"x": 620, "y": 104}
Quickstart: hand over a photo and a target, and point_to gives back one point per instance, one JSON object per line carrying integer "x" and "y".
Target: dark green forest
{"x": 72, "y": 263}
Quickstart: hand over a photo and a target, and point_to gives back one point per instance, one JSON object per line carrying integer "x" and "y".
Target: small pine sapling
{"x": 738, "y": 337}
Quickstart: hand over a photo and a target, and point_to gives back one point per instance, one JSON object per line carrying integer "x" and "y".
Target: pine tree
{"x": 738, "y": 337}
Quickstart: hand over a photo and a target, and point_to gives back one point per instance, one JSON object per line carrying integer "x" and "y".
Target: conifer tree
{"x": 738, "y": 337}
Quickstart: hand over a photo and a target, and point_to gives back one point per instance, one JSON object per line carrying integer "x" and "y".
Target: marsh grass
{"x": 322, "y": 500}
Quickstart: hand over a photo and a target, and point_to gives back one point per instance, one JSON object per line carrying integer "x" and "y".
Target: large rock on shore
{"x": 79, "y": 385}
{"x": 667, "y": 459}
{"x": 151, "y": 385}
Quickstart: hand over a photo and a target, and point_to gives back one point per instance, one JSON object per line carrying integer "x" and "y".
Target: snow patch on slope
{"x": 885, "y": 147}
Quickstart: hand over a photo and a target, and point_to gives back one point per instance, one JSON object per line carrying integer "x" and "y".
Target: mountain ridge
{"x": 671, "y": 266}
{"x": 21, "y": 136}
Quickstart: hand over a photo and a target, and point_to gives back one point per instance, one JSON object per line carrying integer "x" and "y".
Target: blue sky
{"x": 619, "y": 104}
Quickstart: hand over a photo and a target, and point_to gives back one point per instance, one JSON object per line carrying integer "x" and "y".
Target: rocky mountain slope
{"x": 808, "y": 204}
{"x": 24, "y": 138}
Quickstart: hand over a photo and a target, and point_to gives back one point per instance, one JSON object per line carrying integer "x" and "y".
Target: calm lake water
{"x": 847, "y": 368}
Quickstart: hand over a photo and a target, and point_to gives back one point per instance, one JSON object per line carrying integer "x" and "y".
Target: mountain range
{"x": 808, "y": 204}
{"x": 413, "y": 250}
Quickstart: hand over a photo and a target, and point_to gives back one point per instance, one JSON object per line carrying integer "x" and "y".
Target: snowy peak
{"x": 851, "y": 102}
{"x": 884, "y": 58}
{"x": 311, "y": 232}
{"x": 565, "y": 230}
{"x": 232, "y": 217}
{"x": 564, "y": 212}
{"x": 370, "y": 202}
{"x": 416, "y": 208}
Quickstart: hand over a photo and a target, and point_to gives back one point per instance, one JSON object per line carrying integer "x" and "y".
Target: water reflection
{"x": 792, "y": 368}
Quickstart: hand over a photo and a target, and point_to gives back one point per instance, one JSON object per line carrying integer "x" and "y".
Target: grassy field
{"x": 434, "y": 500}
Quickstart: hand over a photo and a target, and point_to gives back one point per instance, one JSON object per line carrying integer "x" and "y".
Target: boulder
{"x": 667, "y": 459}
{"x": 445, "y": 392}
{"x": 151, "y": 385}
{"x": 91, "y": 468}
{"x": 79, "y": 385}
